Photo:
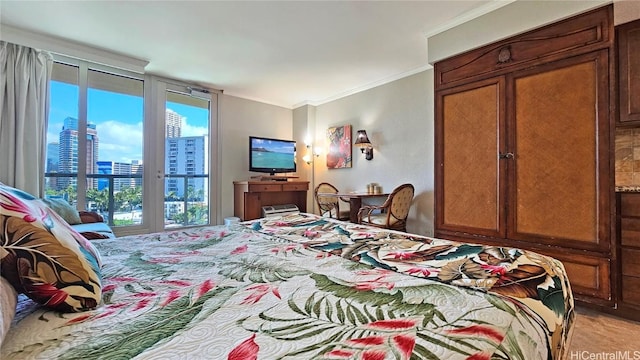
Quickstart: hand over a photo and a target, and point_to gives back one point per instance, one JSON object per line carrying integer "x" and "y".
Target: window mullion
{"x": 82, "y": 134}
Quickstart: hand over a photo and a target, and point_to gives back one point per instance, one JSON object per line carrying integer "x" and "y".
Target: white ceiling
{"x": 286, "y": 53}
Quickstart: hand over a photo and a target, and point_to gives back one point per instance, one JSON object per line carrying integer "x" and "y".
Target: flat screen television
{"x": 271, "y": 156}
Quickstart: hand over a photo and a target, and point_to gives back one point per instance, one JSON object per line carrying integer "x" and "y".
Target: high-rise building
{"x": 173, "y": 124}
{"x": 68, "y": 152}
{"x": 116, "y": 168}
{"x": 187, "y": 156}
{"x": 53, "y": 157}
{"x": 136, "y": 168}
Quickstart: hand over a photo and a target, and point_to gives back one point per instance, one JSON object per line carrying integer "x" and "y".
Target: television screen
{"x": 271, "y": 155}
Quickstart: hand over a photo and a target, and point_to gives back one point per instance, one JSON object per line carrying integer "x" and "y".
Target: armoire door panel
{"x": 556, "y": 192}
{"x": 588, "y": 275}
{"x": 469, "y": 166}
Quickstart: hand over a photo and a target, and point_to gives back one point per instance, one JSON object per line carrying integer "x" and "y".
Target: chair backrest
{"x": 326, "y": 203}
{"x": 399, "y": 202}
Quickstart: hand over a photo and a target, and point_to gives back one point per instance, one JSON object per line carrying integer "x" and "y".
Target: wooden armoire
{"x": 523, "y": 147}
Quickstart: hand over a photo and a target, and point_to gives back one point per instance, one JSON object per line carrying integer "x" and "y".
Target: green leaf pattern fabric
{"x": 305, "y": 287}
{"x": 43, "y": 257}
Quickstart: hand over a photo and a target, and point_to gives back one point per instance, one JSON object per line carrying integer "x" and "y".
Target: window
{"x": 98, "y": 145}
{"x": 187, "y": 144}
{"x": 94, "y": 156}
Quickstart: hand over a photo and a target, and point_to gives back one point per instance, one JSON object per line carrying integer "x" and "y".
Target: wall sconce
{"x": 362, "y": 141}
{"x": 311, "y": 153}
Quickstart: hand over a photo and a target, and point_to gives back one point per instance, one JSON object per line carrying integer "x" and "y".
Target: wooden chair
{"x": 393, "y": 212}
{"x": 330, "y": 205}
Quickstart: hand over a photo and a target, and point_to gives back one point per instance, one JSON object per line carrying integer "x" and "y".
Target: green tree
{"x": 195, "y": 195}
{"x": 179, "y": 218}
{"x": 128, "y": 199}
{"x": 119, "y": 200}
{"x": 171, "y": 196}
{"x": 198, "y": 214}
{"x": 99, "y": 197}
{"x": 134, "y": 196}
{"x": 70, "y": 194}
{"x": 52, "y": 193}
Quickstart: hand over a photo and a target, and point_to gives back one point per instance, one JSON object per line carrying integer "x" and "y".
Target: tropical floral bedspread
{"x": 306, "y": 287}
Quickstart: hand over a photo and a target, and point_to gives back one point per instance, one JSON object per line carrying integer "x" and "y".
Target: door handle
{"x": 505, "y": 155}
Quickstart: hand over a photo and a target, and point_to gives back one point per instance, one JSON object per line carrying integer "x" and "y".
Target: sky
{"x": 118, "y": 120}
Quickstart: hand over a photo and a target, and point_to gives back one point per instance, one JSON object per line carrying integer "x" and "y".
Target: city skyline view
{"x": 120, "y": 138}
{"x": 118, "y": 119}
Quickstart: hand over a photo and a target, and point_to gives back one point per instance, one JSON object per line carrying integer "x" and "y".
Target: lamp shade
{"x": 362, "y": 140}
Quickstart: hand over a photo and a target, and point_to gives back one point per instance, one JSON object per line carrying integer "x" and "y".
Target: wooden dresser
{"x": 629, "y": 235}
{"x": 250, "y": 196}
{"x": 628, "y": 200}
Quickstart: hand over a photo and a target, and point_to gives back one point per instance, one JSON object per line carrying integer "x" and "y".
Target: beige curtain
{"x": 24, "y": 108}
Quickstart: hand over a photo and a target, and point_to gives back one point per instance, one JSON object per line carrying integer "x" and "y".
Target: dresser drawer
{"x": 264, "y": 187}
{"x": 630, "y": 262}
{"x": 630, "y": 232}
{"x": 631, "y": 290}
{"x": 295, "y": 187}
{"x": 630, "y": 205}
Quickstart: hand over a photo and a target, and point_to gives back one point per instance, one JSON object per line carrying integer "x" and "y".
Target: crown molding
{"x": 71, "y": 49}
{"x": 364, "y": 87}
{"x": 263, "y": 101}
{"x": 468, "y": 16}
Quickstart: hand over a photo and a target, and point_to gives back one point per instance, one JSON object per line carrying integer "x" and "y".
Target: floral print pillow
{"x": 43, "y": 257}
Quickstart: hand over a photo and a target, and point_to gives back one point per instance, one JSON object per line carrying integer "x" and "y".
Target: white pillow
{"x": 66, "y": 211}
{"x": 8, "y": 301}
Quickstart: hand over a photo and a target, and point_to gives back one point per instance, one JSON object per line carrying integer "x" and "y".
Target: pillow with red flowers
{"x": 43, "y": 257}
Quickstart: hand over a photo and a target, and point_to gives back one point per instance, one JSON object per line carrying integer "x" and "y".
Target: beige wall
{"x": 240, "y": 118}
{"x": 625, "y": 11}
{"x": 304, "y": 120}
{"x": 398, "y": 118}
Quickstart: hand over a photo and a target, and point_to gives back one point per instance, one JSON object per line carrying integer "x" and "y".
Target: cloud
{"x": 189, "y": 130}
{"x": 53, "y": 130}
{"x": 118, "y": 141}
{"x": 121, "y": 142}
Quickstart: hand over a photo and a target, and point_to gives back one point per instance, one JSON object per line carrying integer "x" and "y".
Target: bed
{"x": 305, "y": 287}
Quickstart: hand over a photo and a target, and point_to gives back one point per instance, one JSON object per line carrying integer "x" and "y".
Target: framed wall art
{"x": 339, "y": 140}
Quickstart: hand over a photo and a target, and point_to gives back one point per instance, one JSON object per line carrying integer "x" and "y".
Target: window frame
{"x": 154, "y": 100}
